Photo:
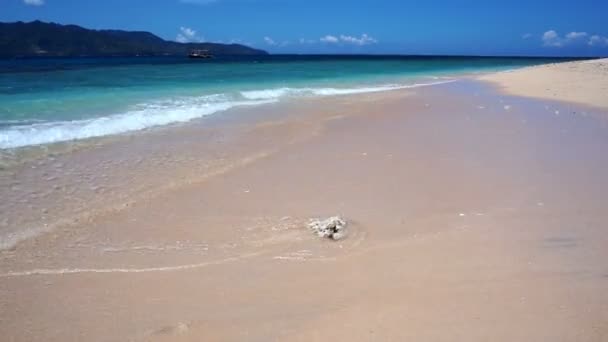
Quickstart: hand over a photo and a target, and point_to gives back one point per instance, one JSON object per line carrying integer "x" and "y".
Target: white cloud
{"x": 364, "y": 39}
{"x": 269, "y": 41}
{"x": 329, "y": 39}
{"x": 188, "y": 35}
{"x": 553, "y": 39}
{"x": 575, "y": 35}
{"x": 34, "y": 2}
{"x": 597, "y": 40}
{"x": 526, "y": 36}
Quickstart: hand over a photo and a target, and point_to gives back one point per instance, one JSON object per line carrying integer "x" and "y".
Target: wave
{"x": 267, "y": 94}
{"x": 141, "y": 117}
{"x": 164, "y": 112}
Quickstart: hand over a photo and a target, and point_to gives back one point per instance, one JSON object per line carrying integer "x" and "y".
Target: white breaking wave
{"x": 142, "y": 117}
{"x": 166, "y": 112}
{"x": 267, "y": 94}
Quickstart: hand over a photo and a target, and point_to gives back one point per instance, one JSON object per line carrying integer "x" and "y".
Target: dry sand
{"x": 474, "y": 216}
{"x": 584, "y": 82}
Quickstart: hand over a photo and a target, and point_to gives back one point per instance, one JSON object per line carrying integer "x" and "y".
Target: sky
{"x": 456, "y": 27}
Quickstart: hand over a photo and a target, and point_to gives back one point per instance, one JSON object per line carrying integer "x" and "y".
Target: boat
{"x": 200, "y": 54}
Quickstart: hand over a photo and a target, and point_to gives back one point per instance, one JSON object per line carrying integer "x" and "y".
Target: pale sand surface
{"x": 583, "y": 82}
{"x": 474, "y": 216}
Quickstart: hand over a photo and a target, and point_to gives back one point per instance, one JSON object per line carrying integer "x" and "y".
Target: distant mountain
{"x": 49, "y": 39}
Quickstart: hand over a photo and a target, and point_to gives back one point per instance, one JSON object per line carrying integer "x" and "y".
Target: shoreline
{"x": 459, "y": 198}
{"x": 187, "y": 104}
{"x": 9, "y": 155}
{"x": 79, "y": 129}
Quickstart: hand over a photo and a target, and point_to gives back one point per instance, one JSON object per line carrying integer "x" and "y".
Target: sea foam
{"x": 164, "y": 112}
{"x": 277, "y": 93}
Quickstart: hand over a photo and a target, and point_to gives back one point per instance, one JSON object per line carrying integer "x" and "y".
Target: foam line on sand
{"x": 65, "y": 271}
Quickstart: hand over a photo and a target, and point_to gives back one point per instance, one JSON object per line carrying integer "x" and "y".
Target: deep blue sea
{"x": 60, "y": 99}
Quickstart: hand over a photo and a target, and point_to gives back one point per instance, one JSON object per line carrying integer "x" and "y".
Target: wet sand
{"x": 473, "y": 216}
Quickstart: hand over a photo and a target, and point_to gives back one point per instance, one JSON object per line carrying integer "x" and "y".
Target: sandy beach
{"x": 577, "y": 82}
{"x": 476, "y": 211}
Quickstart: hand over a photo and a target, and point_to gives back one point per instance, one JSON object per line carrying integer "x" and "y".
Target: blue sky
{"x": 478, "y": 27}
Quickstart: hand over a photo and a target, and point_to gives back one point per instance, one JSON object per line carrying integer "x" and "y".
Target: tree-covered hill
{"x": 49, "y": 39}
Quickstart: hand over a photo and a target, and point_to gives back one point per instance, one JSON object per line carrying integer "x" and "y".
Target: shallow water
{"x": 50, "y": 100}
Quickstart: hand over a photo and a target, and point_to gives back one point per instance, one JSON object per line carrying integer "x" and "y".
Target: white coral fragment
{"x": 332, "y": 228}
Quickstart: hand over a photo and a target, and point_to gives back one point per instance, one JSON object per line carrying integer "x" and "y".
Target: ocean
{"x": 62, "y": 99}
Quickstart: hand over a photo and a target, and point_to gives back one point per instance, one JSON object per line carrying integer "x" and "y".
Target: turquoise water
{"x": 49, "y": 100}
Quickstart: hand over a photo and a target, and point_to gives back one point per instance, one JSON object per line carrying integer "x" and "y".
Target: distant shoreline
{"x": 37, "y": 38}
